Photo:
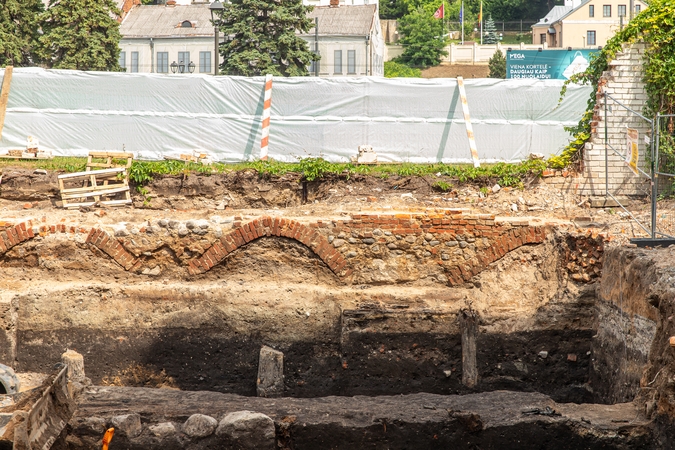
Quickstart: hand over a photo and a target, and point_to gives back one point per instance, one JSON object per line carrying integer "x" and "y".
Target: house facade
{"x": 583, "y": 23}
{"x": 179, "y": 38}
{"x": 168, "y": 39}
{"x": 350, "y": 41}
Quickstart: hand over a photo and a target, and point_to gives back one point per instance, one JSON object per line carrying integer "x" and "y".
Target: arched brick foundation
{"x": 267, "y": 226}
{"x": 502, "y": 237}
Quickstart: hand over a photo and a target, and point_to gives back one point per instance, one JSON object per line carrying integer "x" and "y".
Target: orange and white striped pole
{"x": 467, "y": 121}
{"x": 267, "y": 109}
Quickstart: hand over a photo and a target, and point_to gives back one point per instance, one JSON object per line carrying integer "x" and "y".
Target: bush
{"x": 394, "y": 69}
{"x": 497, "y": 65}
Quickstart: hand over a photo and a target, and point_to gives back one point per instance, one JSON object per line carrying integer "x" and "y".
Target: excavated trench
{"x": 398, "y": 330}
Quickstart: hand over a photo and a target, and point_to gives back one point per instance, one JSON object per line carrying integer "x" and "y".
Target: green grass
{"x": 307, "y": 169}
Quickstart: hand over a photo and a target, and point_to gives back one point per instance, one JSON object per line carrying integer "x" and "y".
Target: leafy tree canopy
{"x": 395, "y": 69}
{"x": 501, "y": 10}
{"x": 81, "y": 34}
{"x": 262, "y": 40}
{"x": 19, "y": 25}
{"x": 655, "y": 26}
{"x": 423, "y": 40}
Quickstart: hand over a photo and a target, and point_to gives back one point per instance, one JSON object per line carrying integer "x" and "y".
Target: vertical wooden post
{"x": 468, "y": 324}
{"x": 4, "y": 95}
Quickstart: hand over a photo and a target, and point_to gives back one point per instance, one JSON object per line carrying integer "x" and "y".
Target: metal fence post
{"x": 606, "y": 154}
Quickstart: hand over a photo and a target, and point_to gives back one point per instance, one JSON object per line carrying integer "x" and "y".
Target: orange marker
{"x": 107, "y": 437}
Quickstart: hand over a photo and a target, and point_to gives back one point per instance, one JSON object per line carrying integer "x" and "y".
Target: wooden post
{"x": 75, "y": 363}
{"x": 4, "y": 95}
{"x": 270, "y": 381}
{"x": 468, "y": 324}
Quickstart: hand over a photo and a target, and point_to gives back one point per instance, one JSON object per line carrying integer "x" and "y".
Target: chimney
{"x": 170, "y": 2}
{"x": 334, "y": 3}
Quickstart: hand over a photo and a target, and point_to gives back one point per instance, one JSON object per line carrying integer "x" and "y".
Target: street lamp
{"x": 216, "y": 7}
{"x": 181, "y": 66}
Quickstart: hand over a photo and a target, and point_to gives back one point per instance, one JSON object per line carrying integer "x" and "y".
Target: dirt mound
{"x": 456, "y": 70}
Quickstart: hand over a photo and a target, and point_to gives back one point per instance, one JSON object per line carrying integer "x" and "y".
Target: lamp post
{"x": 215, "y": 7}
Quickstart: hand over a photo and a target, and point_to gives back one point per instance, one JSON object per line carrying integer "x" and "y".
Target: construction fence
{"x": 415, "y": 120}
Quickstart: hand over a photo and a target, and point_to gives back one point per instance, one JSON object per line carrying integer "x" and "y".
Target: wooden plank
{"x": 468, "y": 324}
{"x": 75, "y": 175}
{"x": 467, "y": 121}
{"x": 4, "y": 95}
{"x": 116, "y": 155}
{"x": 102, "y": 202}
{"x": 85, "y": 192}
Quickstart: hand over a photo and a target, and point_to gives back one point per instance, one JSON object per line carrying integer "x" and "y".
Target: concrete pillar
{"x": 468, "y": 324}
{"x": 452, "y": 53}
{"x": 474, "y": 52}
{"x": 270, "y": 381}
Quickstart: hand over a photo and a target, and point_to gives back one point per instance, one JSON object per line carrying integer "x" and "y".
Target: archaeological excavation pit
{"x": 433, "y": 328}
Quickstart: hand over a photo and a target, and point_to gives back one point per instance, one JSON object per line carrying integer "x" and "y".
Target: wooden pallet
{"x": 104, "y": 187}
{"x": 106, "y": 160}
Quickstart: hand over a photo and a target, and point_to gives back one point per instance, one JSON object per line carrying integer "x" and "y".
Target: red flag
{"x": 440, "y": 12}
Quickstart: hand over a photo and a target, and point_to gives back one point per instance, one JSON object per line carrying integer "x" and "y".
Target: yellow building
{"x": 583, "y": 23}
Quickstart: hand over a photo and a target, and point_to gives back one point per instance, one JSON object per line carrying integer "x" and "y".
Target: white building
{"x": 179, "y": 38}
{"x": 154, "y": 37}
{"x": 350, "y": 41}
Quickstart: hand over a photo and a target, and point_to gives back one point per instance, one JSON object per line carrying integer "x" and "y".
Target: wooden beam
{"x": 4, "y": 95}
{"x": 468, "y": 324}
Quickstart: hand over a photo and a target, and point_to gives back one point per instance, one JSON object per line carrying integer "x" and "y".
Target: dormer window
{"x": 186, "y": 24}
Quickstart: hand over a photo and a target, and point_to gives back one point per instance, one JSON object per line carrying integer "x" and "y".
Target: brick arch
{"x": 500, "y": 246}
{"x": 14, "y": 235}
{"x": 268, "y": 226}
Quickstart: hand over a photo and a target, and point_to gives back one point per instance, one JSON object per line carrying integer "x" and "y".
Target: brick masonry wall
{"x": 623, "y": 81}
{"x": 448, "y": 247}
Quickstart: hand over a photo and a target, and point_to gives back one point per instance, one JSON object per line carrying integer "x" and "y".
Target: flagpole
{"x": 481, "y": 22}
{"x": 462, "y": 11}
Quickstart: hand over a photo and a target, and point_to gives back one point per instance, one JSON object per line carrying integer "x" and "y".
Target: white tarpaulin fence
{"x": 416, "y": 120}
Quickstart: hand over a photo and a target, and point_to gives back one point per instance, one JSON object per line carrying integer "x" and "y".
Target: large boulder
{"x": 249, "y": 430}
{"x": 199, "y": 425}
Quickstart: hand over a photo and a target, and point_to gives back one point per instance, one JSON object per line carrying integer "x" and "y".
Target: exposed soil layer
{"x": 486, "y": 421}
{"x": 546, "y": 327}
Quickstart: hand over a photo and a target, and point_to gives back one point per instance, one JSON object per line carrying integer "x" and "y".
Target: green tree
{"x": 423, "y": 39}
{"x": 393, "y": 9}
{"x": 395, "y": 69}
{"x": 262, "y": 37}
{"x": 490, "y": 32}
{"x": 497, "y": 65}
{"x": 19, "y": 25}
{"x": 81, "y": 34}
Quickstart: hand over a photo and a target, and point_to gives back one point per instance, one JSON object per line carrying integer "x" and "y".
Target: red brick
{"x": 20, "y": 233}
{"x": 238, "y": 237}
{"x": 228, "y": 243}
{"x": 13, "y": 237}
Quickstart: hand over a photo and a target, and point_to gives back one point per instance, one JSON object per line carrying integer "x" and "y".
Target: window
{"x": 123, "y": 61}
{"x": 542, "y": 38}
{"x": 590, "y": 38}
{"x": 337, "y": 61}
{"x": 637, "y": 9}
{"x": 606, "y": 10}
{"x": 186, "y": 24}
{"x": 183, "y": 61}
{"x": 134, "y": 62}
{"x": 204, "y": 62}
{"x": 162, "y": 62}
{"x": 351, "y": 61}
{"x": 622, "y": 10}
{"x": 591, "y": 10}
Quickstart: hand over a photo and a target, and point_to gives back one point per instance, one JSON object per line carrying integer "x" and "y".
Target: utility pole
{"x": 316, "y": 45}
{"x": 461, "y": 16}
{"x": 631, "y": 13}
